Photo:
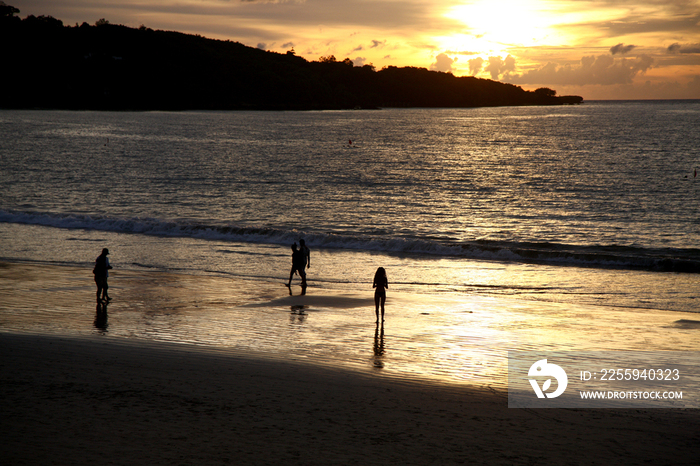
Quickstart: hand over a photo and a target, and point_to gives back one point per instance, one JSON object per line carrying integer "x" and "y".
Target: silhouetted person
{"x": 101, "y": 274}
{"x": 305, "y": 261}
{"x": 297, "y": 265}
{"x": 381, "y": 284}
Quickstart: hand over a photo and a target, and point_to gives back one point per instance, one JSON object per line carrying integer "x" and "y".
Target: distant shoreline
{"x": 114, "y": 67}
{"x": 585, "y": 102}
{"x": 641, "y": 100}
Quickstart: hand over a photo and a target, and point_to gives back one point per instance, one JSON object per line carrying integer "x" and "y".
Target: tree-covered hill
{"x": 105, "y": 66}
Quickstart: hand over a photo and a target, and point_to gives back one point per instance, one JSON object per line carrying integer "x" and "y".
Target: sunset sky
{"x": 599, "y": 49}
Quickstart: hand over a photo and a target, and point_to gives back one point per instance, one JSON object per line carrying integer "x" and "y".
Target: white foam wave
{"x": 664, "y": 260}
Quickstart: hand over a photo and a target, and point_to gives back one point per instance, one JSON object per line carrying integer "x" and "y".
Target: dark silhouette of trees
{"x": 545, "y": 91}
{"x": 8, "y": 20}
{"x": 107, "y": 66}
{"x": 7, "y": 10}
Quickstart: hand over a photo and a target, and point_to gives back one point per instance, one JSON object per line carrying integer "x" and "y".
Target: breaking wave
{"x": 600, "y": 256}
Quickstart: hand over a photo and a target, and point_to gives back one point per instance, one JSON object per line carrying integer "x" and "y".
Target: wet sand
{"x": 85, "y": 401}
{"x": 73, "y": 393}
{"x": 439, "y": 337}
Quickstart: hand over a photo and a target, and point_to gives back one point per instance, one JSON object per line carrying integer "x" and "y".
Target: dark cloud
{"x": 373, "y": 45}
{"x": 407, "y": 15}
{"x": 687, "y": 48}
{"x": 649, "y": 17}
{"x": 621, "y": 49}
{"x": 674, "y": 48}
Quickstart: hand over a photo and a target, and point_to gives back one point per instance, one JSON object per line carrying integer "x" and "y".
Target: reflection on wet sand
{"x": 297, "y": 315}
{"x": 447, "y": 338}
{"x": 101, "y": 323}
{"x": 378, "y": 359}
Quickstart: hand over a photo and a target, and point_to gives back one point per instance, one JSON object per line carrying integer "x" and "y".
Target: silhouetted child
{"x": 381, "y": 283}
{"x": 101, "y": 274}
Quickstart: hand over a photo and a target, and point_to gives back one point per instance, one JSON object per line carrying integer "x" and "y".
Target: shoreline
{"x": 91, "y": 401}
{"x": 438, "y": 338}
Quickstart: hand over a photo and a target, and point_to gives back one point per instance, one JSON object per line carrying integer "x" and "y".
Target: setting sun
{"x": 506, "y": 22}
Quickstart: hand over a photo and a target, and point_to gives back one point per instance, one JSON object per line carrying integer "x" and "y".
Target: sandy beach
{"x": 83, "y": 401}
{"x": 89, "y": 402}
{"x": 99, "y": 396}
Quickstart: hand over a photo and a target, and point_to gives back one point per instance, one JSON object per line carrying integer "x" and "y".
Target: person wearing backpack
{"x": 101, "y": 274}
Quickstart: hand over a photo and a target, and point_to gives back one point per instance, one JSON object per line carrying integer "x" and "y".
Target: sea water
{"x": 591, "y": 205}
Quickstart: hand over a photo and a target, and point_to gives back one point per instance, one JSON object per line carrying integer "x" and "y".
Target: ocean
{"x": 590, "y": 207}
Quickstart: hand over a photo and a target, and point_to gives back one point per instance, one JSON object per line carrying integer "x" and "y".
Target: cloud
{"x": 648, "y": 17}
{"x": 359, "y": 61}
{"x": 601, "y": 70}
{"x": 239, "y": 19}
{"x": 621, "y": 49}
{"x": 688, "y": 48}
{"x": 443, "y": 63}
{"x": 374, "y": 45}
{"x": 464, "y": 52}
{"x": 475, "y": 65}
{"x": 498, "y": 66}
{"x": 268, "y": 1}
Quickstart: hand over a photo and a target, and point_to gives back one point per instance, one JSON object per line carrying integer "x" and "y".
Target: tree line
{"x": 114, "y": 67}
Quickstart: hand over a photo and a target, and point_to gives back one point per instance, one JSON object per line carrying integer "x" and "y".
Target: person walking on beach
{"x": 296, "y": 264}
{"x": 305, "y": 261}
{"x": 381, "y": 283}
{"x": 101, "y": 274}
